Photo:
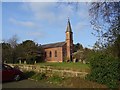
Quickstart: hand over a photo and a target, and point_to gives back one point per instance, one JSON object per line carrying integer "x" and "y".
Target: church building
{"x": 60, "y": 51}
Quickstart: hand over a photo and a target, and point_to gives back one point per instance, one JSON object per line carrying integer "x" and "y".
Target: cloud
{"x": 22, "y": 23}
{"x": 48, "y": 11}
{"x": 40, "y": 10}
{"x": 36, "y": 34}
{"x": 54, "y": 13}
{"x": 81, "y": 26}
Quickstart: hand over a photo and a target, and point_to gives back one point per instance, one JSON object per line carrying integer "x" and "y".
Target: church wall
{"x": 69, "y": 45}
{"x": 64, "y": 51}
{"x": 53, "y": 58}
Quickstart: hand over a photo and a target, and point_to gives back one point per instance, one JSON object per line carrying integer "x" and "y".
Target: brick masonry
{"x": 53, "y": 58}
{"x": 65, "y": 50}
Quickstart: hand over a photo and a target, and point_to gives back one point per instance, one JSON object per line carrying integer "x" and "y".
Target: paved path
{"x": 27, "y": 84}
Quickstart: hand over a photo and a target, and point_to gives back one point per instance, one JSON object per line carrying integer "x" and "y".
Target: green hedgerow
{"x": 104, "y": 69}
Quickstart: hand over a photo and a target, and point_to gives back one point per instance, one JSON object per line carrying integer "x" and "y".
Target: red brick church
{"x": 58, "y": 52}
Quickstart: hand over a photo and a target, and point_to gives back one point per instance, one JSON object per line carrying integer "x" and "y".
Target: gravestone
{"x": 19, "y": 61}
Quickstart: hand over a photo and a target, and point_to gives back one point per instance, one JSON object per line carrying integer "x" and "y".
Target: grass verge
{"x": 67, "y": 66}
{"x": 63, "y": 82}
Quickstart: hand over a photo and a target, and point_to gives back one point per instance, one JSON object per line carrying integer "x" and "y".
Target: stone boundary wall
{"x": 50, "y": 71}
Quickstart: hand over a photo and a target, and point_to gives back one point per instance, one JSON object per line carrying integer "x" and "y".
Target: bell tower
{"x": 69, "y": 41}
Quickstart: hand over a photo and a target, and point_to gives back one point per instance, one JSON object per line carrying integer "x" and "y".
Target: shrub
{"x": 104, "y": 69}
{"x": 31, "y": 60}
{"x": 55, "y": 79}
{"x": 29, "y": 74}
{"x": 39, "y": 76}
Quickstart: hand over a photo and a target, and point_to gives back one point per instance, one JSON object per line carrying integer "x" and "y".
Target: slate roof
{"x": 54, "y": 45}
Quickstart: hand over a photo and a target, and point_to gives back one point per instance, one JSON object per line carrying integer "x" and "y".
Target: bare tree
{"x": 105, "y": 17}
{"x": 13, "y": 41}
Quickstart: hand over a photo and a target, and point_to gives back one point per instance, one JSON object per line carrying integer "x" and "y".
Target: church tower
{"x": 69, "y": 41}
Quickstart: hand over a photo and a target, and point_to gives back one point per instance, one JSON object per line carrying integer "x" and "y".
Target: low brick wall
{"x": 50, "y": 71}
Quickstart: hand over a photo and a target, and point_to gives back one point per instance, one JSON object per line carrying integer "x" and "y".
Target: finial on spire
{"x": 68, "y": 18}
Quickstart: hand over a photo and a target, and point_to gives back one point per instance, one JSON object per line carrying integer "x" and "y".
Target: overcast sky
{"x": 46, "y": 22}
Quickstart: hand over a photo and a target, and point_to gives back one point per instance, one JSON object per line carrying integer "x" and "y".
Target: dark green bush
{"x": 104, "y": 69}
{"x": 29, "y": 74}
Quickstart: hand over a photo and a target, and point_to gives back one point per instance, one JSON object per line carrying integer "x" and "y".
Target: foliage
{"x": 27, "y": 51}
{"x": 82, "y": 54}
{"x": 77, "y": 47}
{"x": 114, "y": 50}
{"x": 13, "y": 41}
{"x": 116, "y": 47}
{"x": 42, "y": 76}
{"x": 6, "y": 52}
{"x": 28, "y": 74}
{"x": 39, "y": 76}
{"x": 31, "y": 52}
{"x": 104, "y": 69}
{"x": 56, "y": 79}
{"x": 108, "y": 11}
{"x": 105, "y": 18}
{"x": 78, "y": 55}
{"x": 71, "y": 82}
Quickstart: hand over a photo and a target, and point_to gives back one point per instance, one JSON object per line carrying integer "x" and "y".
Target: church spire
{"x": 68, "y": 26}
{"x": 69, "y": 41}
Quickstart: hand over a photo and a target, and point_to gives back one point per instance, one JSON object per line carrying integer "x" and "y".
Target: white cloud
{"x": 36, "y": 34}
{"x": 22, "y": 23}
{"x": 81, "y": 26}
{"x": 54, "y": 13}
{"x": 49, "y": 11}
{"x": 41, "y": 12}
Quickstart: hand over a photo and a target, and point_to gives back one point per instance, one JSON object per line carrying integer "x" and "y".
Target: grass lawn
{"x": 67, "y": 66}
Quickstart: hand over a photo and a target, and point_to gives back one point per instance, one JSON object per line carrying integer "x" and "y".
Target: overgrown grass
{"x": 54, "y": 79}
{"x": 39, "y": 76}
{"x": 57, "y": 81}
{"x": 68, "y": 66}
{"x": 76, "y": 82}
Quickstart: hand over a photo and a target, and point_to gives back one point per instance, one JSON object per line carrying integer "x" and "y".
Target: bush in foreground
{"x": 104, "y": 69}
{"x": 28, "y": 74}
{"x": 39, "y": 76}
{"x": 56, "y": 79}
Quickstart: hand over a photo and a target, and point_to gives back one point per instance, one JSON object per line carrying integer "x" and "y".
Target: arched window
{"x": 50, "y": 54}
{"x": 55, "y": 53}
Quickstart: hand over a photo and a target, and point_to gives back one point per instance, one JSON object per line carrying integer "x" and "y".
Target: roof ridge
{"x": 53, "y": 43}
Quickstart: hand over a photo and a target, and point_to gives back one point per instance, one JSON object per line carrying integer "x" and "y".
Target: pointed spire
{"x": 68, "y": 26}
